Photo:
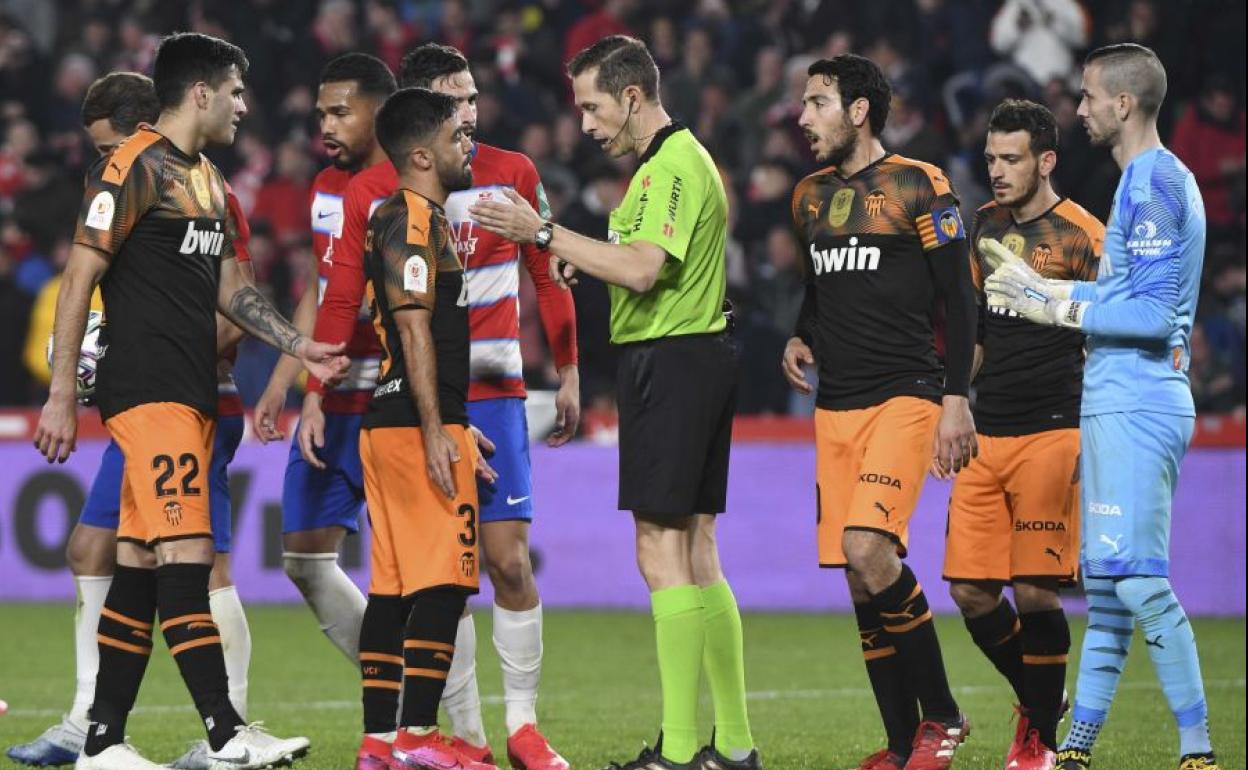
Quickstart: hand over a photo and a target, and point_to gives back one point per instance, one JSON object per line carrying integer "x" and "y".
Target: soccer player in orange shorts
{"x": 1014, "y": 516}
{"x": 884, "y": 239}
{"x": 415, "y": 447}
{"x": 155, "y": 232}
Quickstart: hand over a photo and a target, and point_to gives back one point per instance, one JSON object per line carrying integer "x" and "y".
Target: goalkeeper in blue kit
{"x": 1137, "y": 415}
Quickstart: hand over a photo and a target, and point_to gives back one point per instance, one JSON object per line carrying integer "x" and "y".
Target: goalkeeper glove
{"x": 1013, "y": 285}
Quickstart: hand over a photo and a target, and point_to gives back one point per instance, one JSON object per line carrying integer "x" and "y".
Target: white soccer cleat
{"x": 121, "y": 756}
{"x": 195, "y": 758}
{"x": 60, "y": 744}
{"x": 252, "y": 748}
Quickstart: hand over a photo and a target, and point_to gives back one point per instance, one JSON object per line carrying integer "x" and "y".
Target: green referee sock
{"x": 680, "y": 631}
{"x": 725, "y": 671}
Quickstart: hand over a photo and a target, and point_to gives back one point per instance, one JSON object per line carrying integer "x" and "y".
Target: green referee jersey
{"x": 676, "y": 201}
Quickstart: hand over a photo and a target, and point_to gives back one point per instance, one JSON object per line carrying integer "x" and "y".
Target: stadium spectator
{"x": 610, "y": 19}
{"x": 1041, "y": 36}
{"x": 1209, "y": 138}
{"x": 739, "y": 68}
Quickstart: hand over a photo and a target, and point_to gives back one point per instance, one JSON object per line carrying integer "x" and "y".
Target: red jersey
{"x": 491, "y": 272}
{"x": 352, "y": 396}
{"x": 228, "y": 402}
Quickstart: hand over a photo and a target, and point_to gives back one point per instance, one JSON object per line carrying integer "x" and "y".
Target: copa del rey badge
{"x": 416, "y": 275}
{"x": 100, "y": 215}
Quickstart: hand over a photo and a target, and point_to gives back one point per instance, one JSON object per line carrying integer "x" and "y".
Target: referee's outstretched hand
{"x": 796, "y": 355}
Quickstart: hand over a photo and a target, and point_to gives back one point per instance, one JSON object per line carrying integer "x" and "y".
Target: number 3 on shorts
{"x": 468, "y": 538}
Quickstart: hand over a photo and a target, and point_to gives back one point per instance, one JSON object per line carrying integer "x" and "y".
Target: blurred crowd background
{"x": 732, "y": 70}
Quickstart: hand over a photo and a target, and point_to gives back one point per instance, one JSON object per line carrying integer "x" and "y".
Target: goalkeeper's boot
{"x": 709, "y": 758}
{"x": 1074, "y": 759}
{"x": 1198, "y": 762}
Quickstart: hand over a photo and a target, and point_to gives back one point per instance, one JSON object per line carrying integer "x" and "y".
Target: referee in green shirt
{"x": 664, "y": 262}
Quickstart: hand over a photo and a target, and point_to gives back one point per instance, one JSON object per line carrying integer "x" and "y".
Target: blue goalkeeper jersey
{"x": 1139, "y": 324}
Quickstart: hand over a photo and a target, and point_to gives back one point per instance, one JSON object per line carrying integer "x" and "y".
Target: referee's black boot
{"x": 653, "y": 759}
{"x": 709, "y": 758}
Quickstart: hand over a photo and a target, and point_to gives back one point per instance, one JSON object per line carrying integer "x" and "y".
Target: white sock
{"x": 334, "y": 599}
{"x": 518, "y": 639}
{"x": 227, "y": 613}
{"x": 460, "y": 697}
{"x": 92, "y": 591}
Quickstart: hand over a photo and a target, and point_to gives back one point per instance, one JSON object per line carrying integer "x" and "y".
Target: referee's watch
{"x": 544, "y": 234}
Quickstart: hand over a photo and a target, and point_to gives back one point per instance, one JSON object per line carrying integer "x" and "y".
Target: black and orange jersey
{"x": 868, "y": 268}
{"x": 161, "y": 219}
{"x": 410, "y": 263}
{"x": 1032, "y": 376}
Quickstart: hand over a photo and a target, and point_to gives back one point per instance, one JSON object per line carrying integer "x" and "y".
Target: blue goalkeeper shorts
{"x": 1130, "y": 468}
{"x": 103, "y": 506}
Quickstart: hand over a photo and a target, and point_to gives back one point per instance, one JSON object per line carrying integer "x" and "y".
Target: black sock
{"x": 997, "y": 635}
{"x": 899, "y": 708}
{"x": 125, "y": 640}
{"x": 428, "y": 648}
{"x": 195, "y": 643}
{"x": 381, "y": 661}
{"x": 1046, "y": 645}
{"x": 908, "y": 622}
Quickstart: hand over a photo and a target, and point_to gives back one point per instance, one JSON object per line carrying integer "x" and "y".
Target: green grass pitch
{"x": 809, "y": 698}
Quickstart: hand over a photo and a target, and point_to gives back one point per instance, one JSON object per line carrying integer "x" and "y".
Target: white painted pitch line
{"x": 497, "y": 700}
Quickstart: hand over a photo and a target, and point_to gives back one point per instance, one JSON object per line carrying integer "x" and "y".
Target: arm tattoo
{"x": 249, "y": 309}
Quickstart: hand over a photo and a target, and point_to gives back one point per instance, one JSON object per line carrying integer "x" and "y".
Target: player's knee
{"x": 88, "y": 555}
{"x": 1036, "y": 596}
{"x": 300, "y": 572}
{"x": 867, "y": 553}
{"x": 511, "y": 572}
{"x": 973, "y": 599}
{"x": 220, "y": 576}
{"x": 1146, "y": 597}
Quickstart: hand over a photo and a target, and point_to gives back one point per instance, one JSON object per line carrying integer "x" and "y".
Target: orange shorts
{"x": 1015, "y": 510}
{"x": 870, "y": 469}
{"x": 164, "y": 490}
{"x": 420, "y": 537}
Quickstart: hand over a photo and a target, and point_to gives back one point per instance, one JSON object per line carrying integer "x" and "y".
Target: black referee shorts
{"x": 677, "y": 397}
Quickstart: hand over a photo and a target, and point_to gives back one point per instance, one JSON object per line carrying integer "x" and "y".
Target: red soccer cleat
{"x": 528, "y": 749}
{"x": 475, "y": 753}
{"x": 374, "y": 754}
{"x": 431, "y": 752}
{"x": 883, "y": 760}
{"x": 1028, "y": 753}
{"x": 935, "y": 744}
{"x": 1020, "y": 734}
